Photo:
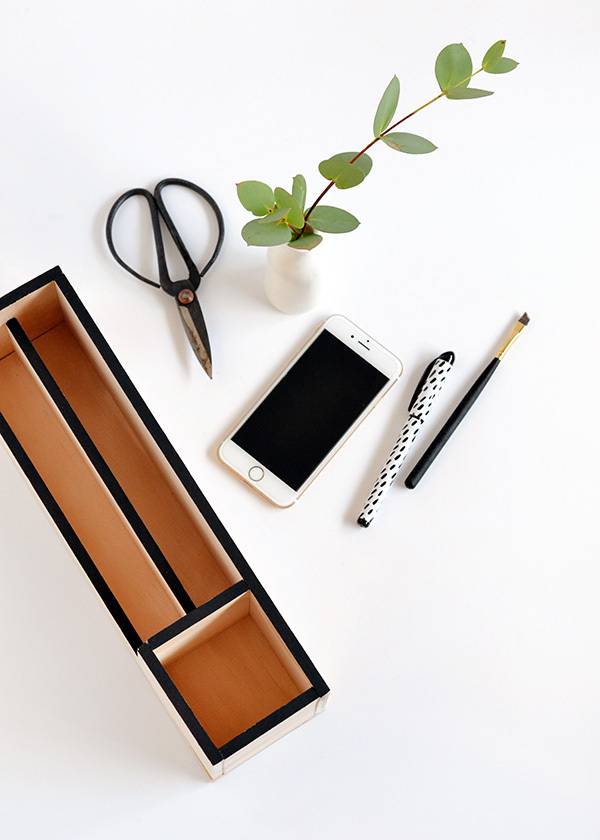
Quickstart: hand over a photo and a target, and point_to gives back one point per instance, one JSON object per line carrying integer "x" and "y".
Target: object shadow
{"x": 247, "y": 283}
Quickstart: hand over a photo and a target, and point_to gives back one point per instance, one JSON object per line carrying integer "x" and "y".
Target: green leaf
{"x": 262, "y": 232}
{"x": 345, "y": 174}
{"x": 332, "y": 220}
{"x": 295, "y": 213}
{"x": 494, "y": 61}
{"x": 299, "y": 190}
{"x": 306, "y": 242}
{"x": 283, "y": 197}
{"x": 256, "y": 197}
{"x": 503, "y": 65}
{"x": 275, "y": 216}
{"x": 329, "y": 168}
{"x": 410, "y": 143}
{"x": 295, "y": 216}
{"x": 493, "y": 54}
{"x": 387, "y": 107}
{"x": 467, "y": 93}
{"x": 453, "y": 67}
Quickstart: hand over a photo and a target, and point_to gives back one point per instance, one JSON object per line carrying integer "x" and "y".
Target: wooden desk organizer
{"x": 207, "y": 635}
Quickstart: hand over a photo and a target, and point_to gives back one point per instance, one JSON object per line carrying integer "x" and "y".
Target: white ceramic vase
{"x": 291, "y": 281}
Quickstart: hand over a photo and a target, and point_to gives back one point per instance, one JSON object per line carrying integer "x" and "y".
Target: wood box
{"x": 202, "y": 627}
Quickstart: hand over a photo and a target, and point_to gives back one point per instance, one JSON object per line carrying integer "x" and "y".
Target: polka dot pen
{"x": 426, "y": 391}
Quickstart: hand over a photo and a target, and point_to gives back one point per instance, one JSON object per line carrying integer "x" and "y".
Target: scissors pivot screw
{"x": 185, "y": 296}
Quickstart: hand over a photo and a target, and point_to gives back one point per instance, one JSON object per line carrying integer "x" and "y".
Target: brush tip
{"x": 524, "y": 319}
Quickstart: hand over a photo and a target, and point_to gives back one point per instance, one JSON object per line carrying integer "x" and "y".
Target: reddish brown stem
{"x": 316, "y": 201}
{"x": 372, "y": 143}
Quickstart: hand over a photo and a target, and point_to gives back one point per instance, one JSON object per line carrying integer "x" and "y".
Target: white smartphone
{"x": 310, "y": 411}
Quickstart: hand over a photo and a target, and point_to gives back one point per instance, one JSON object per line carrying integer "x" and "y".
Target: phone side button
{"x": 256, "y": 473}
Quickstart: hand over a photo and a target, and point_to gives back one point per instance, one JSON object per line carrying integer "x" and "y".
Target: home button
{"x": 256, "y": 473}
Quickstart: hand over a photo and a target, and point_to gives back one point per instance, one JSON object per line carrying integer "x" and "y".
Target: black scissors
{"x": 184, "y": 291}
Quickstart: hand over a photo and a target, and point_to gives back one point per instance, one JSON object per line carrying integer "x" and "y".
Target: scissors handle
{"x": 158, "y": 210}
{"x": 160, "y": 251}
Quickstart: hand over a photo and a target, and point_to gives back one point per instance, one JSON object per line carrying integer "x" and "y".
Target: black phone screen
{"x": 302, "y": 419}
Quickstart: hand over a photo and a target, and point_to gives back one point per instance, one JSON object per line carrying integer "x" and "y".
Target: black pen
{"x": 451, "y": 424}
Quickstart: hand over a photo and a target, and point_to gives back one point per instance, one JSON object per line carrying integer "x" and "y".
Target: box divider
{"x": 69, "y": 535}
{"x": 102, "y": 469}
{"x": 153, "y": 427}
{"x": 191, "y": 618}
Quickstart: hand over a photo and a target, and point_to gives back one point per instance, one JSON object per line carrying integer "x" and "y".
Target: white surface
{"x": 460, "y": 634}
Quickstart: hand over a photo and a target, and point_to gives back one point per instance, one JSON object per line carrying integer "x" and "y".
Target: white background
{"x": 460, "y": 634}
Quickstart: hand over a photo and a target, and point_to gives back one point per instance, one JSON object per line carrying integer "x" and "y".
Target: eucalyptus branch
{"x": 380, "y": 136}
{"x": 283, "y": 218}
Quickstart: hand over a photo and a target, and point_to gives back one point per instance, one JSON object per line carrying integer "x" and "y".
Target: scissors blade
{"x": 195, "y": 328}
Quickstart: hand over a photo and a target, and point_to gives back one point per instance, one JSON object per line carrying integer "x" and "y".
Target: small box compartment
{"x": 232, "y": 669}
{"x": 211, "y": 641}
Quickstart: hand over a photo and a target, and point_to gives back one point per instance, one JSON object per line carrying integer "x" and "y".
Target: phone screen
{"x": 302, "y": 419}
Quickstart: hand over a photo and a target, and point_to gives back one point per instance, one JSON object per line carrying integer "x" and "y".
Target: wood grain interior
{"x": 81, "y": 495}
{"x": 202, "y": 570}
{"x": 230, "y": 672}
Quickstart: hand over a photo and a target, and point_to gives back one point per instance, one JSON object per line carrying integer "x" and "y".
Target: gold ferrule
{"x": 516, "y": 330}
